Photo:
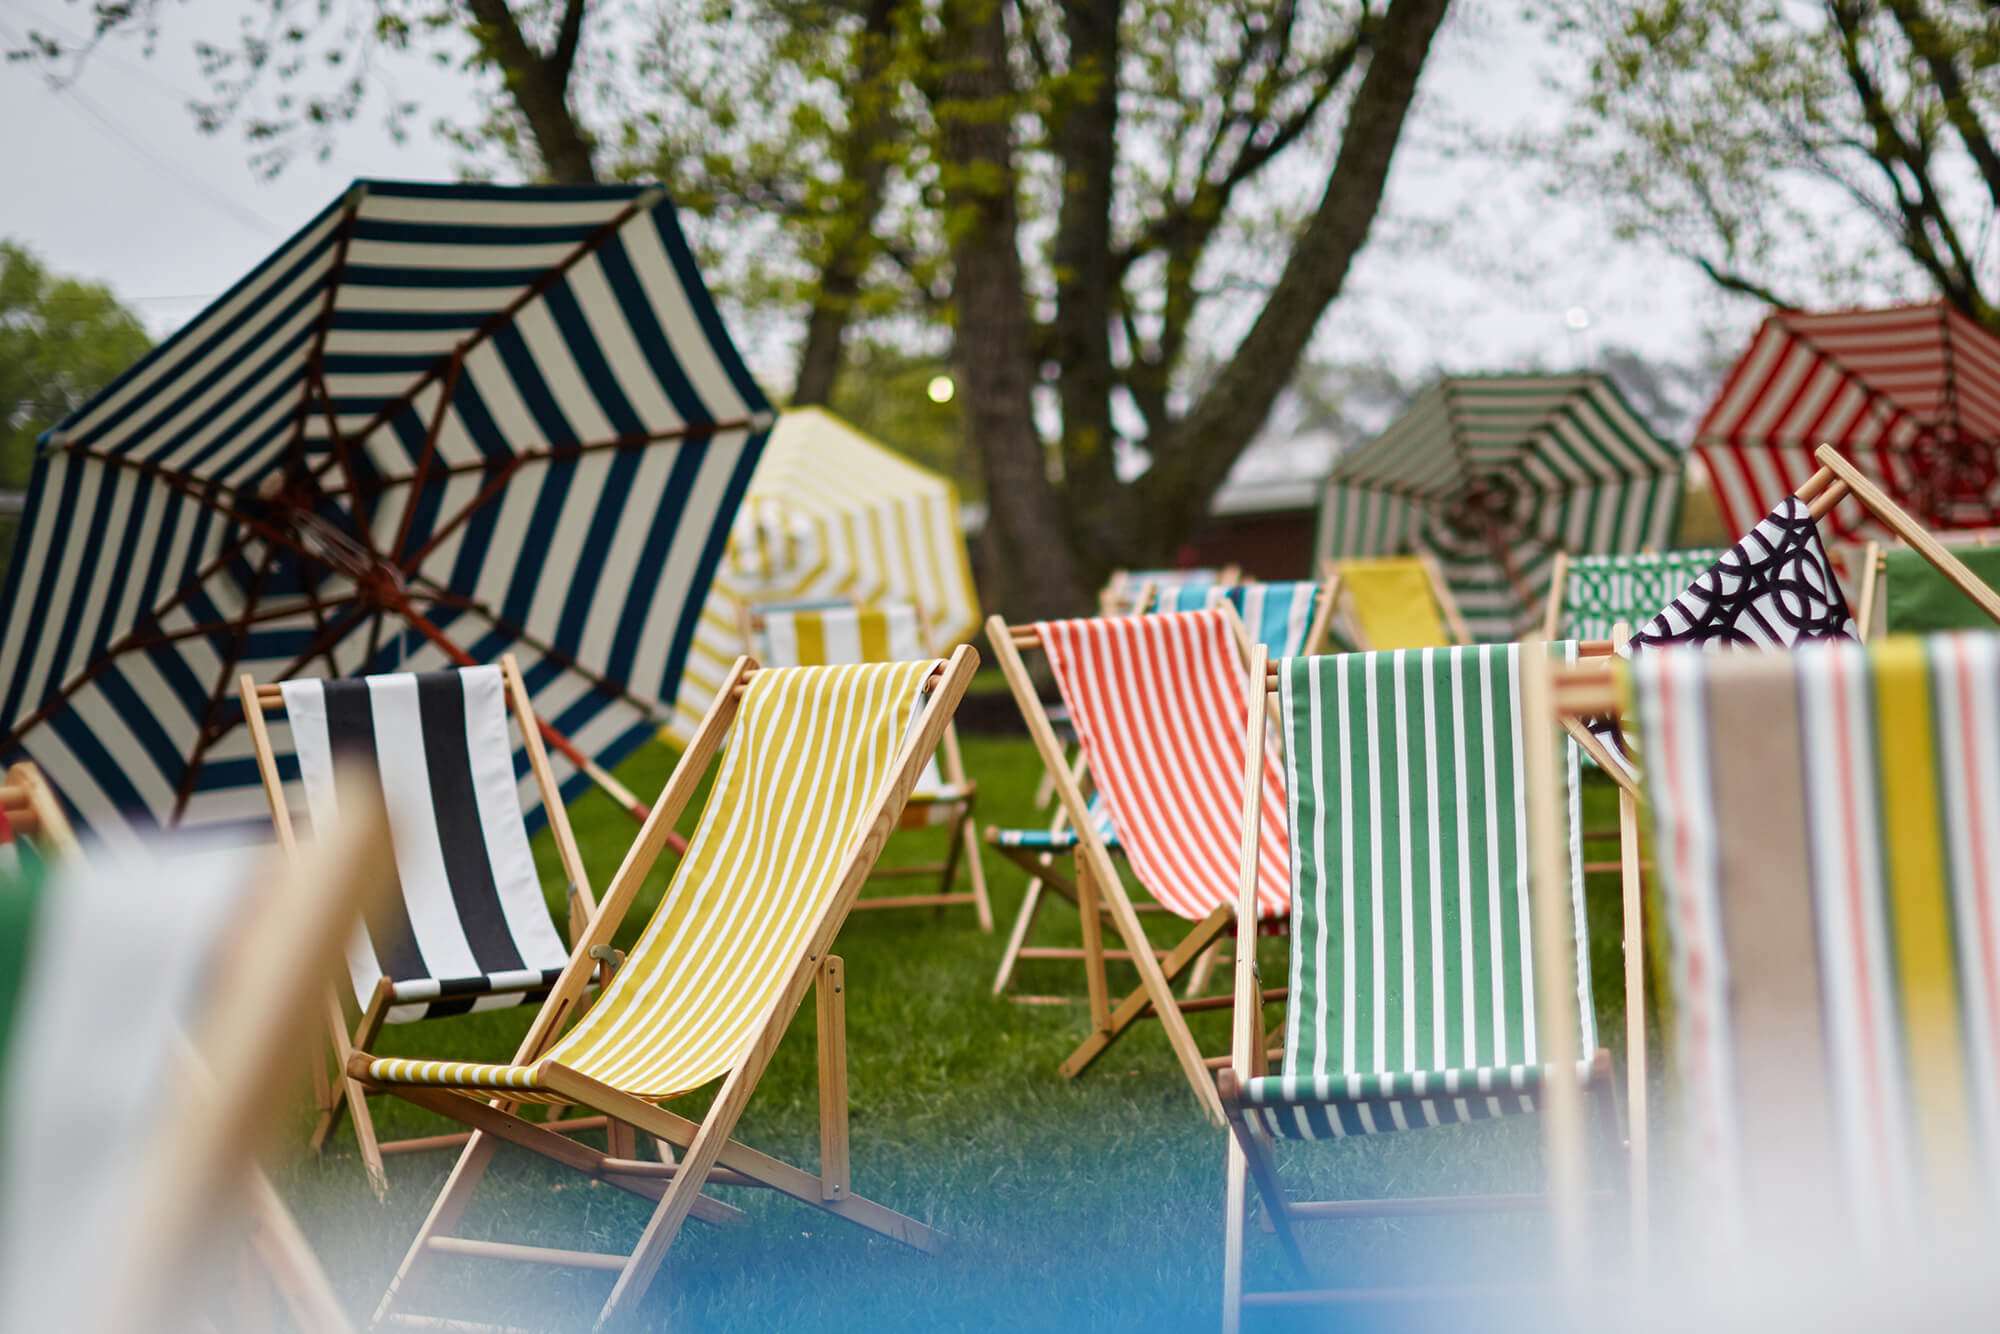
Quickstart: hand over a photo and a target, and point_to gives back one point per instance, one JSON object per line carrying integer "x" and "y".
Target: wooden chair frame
{"x": 340, "y": 1093}
{"x": 1099, "y": 890}
{"x": 1044, "y": 867}
{"x": 36, "y": 812}
{"x": 963, "y": 845}
{"x": 1836, "y": 480}
{"x": 1448, "y": 610}
{"x": 711, "y": 1155}
{"x": 1250, "y": 1155}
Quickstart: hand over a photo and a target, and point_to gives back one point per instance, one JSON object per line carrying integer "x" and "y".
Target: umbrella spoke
{"x": 209, "y": 729}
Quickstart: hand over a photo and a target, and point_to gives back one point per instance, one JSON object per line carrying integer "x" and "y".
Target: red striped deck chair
{"x": 826, "y": 636}
{"x": 134, "y": 1202}
{"x": 1157, "y": 704}
{"x": 1417, "y": 980}
{"x": 469, "y": 929}
{"x": 819, "y": 763}
{"x": 1827, "y": 823}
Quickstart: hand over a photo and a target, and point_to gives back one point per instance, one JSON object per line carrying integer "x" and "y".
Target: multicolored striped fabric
{"x": 832, "y": 515}
{"x": 1390, "y": 603}
{"x": 499, "y": 418}
{"x": 835, "y": 636}
{"x": 1120, "y": 595}
{"x": 470, "y": 929}
{"x": 808, "y": 759}
{"x": 1158, "y": 703}
{"x": 1826, "y": 830}
{"x": 1413, "y": 973}
{"x": 1910, "y": 394}
{"x": 1492, "y": 475}
{"x": 1279, "y": 615}
{"x": 1631, "y": 587}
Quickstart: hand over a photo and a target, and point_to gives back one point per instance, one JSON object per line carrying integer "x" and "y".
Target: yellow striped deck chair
{"x": 832, "y": 635}
{"x": 819, "y": 763}
{"x": 1829, "y": 838}
{"x": 1392, "y": 602}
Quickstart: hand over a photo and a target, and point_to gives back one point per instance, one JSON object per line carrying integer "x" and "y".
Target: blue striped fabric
{"x": 512, "y": 410}
{"x": 1278, "y": 615}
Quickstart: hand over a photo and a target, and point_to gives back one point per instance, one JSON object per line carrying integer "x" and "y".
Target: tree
{"x": 1795, "y": 150}
{"x": 1126, "y": 216}
{"x": 61, "y": 340}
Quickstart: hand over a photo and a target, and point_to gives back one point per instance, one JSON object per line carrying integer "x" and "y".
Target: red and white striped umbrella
{"x": 1910, "y": 393}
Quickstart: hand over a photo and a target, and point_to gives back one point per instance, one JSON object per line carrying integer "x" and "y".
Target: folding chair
{"x": 1120, "y": 594}
{"x": 1416, "y": 997}
{"x": 1392, "y": 602}
{"x": 470, "y": 929}
{"x": 1589, "y": 594}
{"x": 227, "y": 956}
{"x": 819, "y": 763}
{"x": 30, "y": 809}
{"x": 833, "y": 636}
{"x": 1288, "y": 618}
{"x": 1822, "y": 819}
{"x": 1154, "y": 700}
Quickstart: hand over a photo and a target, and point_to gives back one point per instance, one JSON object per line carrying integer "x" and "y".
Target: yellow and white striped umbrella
{"x": 832, "y": 515}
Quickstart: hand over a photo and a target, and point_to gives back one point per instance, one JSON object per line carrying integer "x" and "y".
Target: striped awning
{"x": 833, "y": 517}
{"x": 1492, "y": 475}
{"x": 1911, "y": 394}
{"x": 441, "y": 423}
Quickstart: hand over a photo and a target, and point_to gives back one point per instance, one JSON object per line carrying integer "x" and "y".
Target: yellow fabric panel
{"x": 807, "y": 760}
{"x": 812, "y": 640}
{"x": 1392, "y": 604}
{"x": 1920, "y": 912}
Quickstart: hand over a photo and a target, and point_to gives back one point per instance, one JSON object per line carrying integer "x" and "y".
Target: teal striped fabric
{"x": 1278, "y": 615}
{"x": 1413, "y": 976}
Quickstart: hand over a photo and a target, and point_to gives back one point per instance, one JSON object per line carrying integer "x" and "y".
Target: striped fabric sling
{"x": 1828, "y": 826}
{"x": 470, "y": 929}
{"x": 1158, "y": 704}
{"x": 1412, "y": 972}
{"x": 807, "y": 761}
{"x": 1391, "y": 604}
{"x": 1278, "y": 615}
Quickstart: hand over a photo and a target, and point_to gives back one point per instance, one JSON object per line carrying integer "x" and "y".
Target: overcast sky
{"x": 110, "y": 179}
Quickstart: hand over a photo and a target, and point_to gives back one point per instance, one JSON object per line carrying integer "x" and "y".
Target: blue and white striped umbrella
{"x": 441, "y": 423}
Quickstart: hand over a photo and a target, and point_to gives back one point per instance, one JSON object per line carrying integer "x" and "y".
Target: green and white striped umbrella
{"x": 1492, "y": 475}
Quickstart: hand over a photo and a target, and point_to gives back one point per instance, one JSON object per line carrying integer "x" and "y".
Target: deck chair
{"x": 1120, "y": 594}
{"x": 1822, "y": 817}
{"x": 1414, "y": 989}
{"x": 819, "y": 763}
{"x": 134, "y": 1202}
{"x": 830, "y": 636}
{"x": 1392, "y": 602}
{"x": 1154, "y": 700}
{"x": 1289, "y": 618}
{"x": 469, "y": 929}
{"x": 1588, "y": 594}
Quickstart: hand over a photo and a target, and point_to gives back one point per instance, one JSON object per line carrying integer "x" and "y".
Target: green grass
{"x": 1092, "y": 1204}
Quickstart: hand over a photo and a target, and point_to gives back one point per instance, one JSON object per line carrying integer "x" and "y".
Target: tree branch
{"x": 539, "y": 90}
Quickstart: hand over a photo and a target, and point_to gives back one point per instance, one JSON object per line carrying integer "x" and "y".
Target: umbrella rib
{"x": 202, "y": 494}
{"x": 505, "y": 315}
{"x": 424, "y": 461}
{"x": 209, "y": 732}
{"x": 315, "y": 373}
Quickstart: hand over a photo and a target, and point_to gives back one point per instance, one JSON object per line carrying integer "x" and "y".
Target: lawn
{"x": 1093, "y": 1204}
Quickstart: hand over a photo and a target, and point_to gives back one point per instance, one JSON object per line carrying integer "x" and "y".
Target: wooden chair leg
{"x": 1235, "y": 1206}
{"x": 445, "y": 1212}
{"x": 831, "y": 996}
{"x": 1093, "y": 948}
{"x": 1140, "y": 999}
{"x": 1203, "y": 970}
{"x": 948, "y": 868}
{"x": 1024, "y": 922}
{"x": 975, "y": 871}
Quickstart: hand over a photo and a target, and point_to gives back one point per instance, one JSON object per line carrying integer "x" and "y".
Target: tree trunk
{"x": 538, "y": 85}
{"x": 1197, "y": 452}
{"x": 1029, "y": 567}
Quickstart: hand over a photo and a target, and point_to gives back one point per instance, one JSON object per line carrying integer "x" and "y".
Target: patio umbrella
{"x": 1911, "y": 394}
{"x": 441, "y": 423}
{"x": 1492, "y": 475}
{"x": 833, "y": 516}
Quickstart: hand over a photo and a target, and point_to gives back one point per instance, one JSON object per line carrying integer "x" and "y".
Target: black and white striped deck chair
{"x": 470, "y": 928}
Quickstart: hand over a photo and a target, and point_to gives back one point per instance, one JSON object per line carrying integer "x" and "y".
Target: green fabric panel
{"x": 1633, "y": 588}
{"x": 20, "y": 899}
{"x": 1922, "y": 600}
{"x": 1410, "y": 932}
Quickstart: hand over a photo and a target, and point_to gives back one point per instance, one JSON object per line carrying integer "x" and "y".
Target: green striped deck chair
{"x": 1412, "y": 990}
{"x": 1829, "y": 831}
{"x": 818, "y": 766}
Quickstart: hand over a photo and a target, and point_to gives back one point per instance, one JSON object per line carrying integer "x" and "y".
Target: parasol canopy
{"x": 1911, "y": 394}
{"x": 1491, "y": 475}
{"x": 441, "y": 423}
{"x": 833, "y": 516}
